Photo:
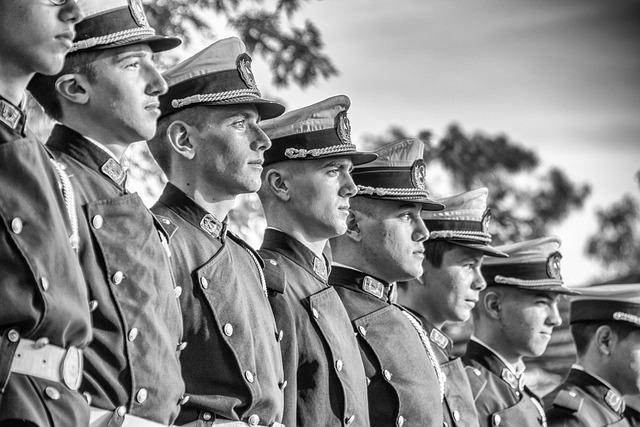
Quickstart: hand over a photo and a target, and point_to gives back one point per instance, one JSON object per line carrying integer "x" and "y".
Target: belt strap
{"x": 47, "y": 361}
{"x": 103, "y": 418}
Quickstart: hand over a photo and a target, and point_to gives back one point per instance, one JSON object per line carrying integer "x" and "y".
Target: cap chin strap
{"x": 476, "y": 236}
{"x": 300, "y": 153}
{"x": 203, "y": 98}
{"x": 364, "y": 190}
{"x": 113, "y": 38}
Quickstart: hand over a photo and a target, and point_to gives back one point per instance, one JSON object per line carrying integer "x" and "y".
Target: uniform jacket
{"x": 133, "y": 359}
{"x": 458, "y": 406}
{"x": 232, "y": 364}
{"x": 42, "y": 291}
{"x": 326, "y": 380}
{"x": 403, "y": 387}
{"x": 583, "y": 400}
{"x": 501, "y": 399}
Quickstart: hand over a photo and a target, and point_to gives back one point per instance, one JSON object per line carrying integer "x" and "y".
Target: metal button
{"x": 228, "y": 329}
{"x": 133, "y": 334}
{"x": 182, "y": 345}
{"x": 400, "y": 421}
{"x": 283, "y": 385}
{"x": 41, "y": 342}
{"x": 53, "y": 393}
{"x": 572, "y": 393}
{"x": 165, "y": 221}
{"x": 362, "y": 330}
{"x": 184, "y": 399}
{"x": 456, "y": 415}
{"x": 177, "y": 291}
{"x": 117, "y": 277}
{"x": 273, "y": 262}
{"x": 45, "y": 283}
{"x": 141, "y": 395}
{"x": 204, "y": 282}
{"x": 339, "y": 365}
{"x": 13, "y": 335}
{"x": 93, "y": 304}
{"x": 97, "y": 222}
{"x": 253, "y": 420}
{"x": 206, "y": 416}
{"x": 476, "y": 371}
{"x": 350, "y": 420}
{"x": 16, "y": 225}
{"x": 249, "y": 376}
{"x": 315, "y": 312}
{"x": 280, "y": 335}
{"x": 387, "y": 375}
{"x": 496, "y": 419}
{"x": 121, "y": 411}
{"x": 368, "y": 381}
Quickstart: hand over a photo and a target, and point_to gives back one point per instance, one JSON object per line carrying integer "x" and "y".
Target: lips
{"x": 67, "y": 38}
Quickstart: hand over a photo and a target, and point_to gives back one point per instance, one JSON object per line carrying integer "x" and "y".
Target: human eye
{"x": 239, "y": 123}
{"x": 132, "y": 64}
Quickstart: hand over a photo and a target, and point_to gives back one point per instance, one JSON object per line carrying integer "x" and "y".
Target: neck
{"x": 493, "y": 337}
{"x": 281, "y": 220}
{"x": 13, "y": 81}
{"x": 218, "y": 207}
{"x": 597, "y": 367}
{"x": 416, "y": 297}
{"x": 91, "y": 129}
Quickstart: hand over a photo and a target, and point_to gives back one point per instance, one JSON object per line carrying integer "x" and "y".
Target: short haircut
{"x": 583, "y": 332}
{"x": 43, "y": 88}
{"x": 160, "y": 146}
{"x": 435, "y": 249}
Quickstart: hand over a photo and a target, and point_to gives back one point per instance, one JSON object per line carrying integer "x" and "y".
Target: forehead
{"x": 115, "y": 54}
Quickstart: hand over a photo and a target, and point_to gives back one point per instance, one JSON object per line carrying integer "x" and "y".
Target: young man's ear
{"x": 492, "y": 304}
{"x": 353, "y": 227}
{"x": 178, "y": 134}
{"x": 276, "y": 181}
{"x": 73, "y": 88}
{"x": 605, "y": 339}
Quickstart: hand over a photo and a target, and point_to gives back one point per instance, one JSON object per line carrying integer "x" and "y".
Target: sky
{"x": 559, "y": 77}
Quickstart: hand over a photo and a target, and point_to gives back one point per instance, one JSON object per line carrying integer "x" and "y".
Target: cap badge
{"x": 137, "y": 11}
{"x": 486, "y": 219}
{"x": 553, "y": 266}
{"x": 343, "y": 127}
{"x": 243, "y": 63}
{"x": 419, "y": 174}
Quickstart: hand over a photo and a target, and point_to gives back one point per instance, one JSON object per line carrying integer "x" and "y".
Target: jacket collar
{"x": 292, "y": 248}
{"x": 488, "y": 358}
{"x": 12, "y": 117}
{"x": 597, "y": 388}
{"x": 70, "y": 142}
{"x": 176, "y": 200}
{"x": 351, "y": 278}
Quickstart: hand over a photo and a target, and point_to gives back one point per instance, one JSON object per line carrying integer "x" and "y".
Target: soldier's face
{"x": 527, "y": 319}
{"x": 454, "y": 287}
{"x": 230, "y": 150}
{"x": 392, "y": 239}
{"x": 625, "y": 362}
{"x": 35, "y": 35}
{"x": 123, "y": 96}
{"x": 319, "y": 195}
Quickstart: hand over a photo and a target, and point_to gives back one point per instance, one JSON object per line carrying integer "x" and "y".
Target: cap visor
{"x": 485, "y": 249}
{"x": 556, "y": 289}
{"x": 427, "y": 204}
{"x": 357, "y": 157}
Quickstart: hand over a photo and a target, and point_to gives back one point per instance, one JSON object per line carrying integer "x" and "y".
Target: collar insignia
{"x": 9, "y": 115}
{"x": 320, "y": 267}
{"x": 114, "y": 171}
{"x": 510, "y": 378}
{"x": 553, "y": 266}
{"x": 137, "y": 12}
{"x": 439, "y": 338}
{"x": 243, "y": 63}
{"x": 614, "y": 401}
{"x": 419, "y": 174}
{"x": 212, "y": 226}
{"x": 372, "y": 286}
{"x": 343, "y": 127}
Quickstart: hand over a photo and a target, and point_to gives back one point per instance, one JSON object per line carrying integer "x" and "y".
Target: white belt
{"x": 47, "y": 361}
{"x": 101, "y": 417}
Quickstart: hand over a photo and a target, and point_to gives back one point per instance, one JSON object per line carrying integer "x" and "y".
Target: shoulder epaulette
{"x": 476, "y": 380}
{"x": 168, "y": 226}
{"x": 275, "y": 276}
{"x": 568, "y": 400}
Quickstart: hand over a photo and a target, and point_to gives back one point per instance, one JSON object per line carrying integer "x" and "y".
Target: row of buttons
{"x": 17, "y": 226}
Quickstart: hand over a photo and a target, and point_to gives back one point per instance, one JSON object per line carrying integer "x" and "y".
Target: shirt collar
{"x": 279, "y": 241}
{"x": 579, "y": 367}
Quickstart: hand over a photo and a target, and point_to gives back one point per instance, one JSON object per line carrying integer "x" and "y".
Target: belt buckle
{"x": 71, "y": 368}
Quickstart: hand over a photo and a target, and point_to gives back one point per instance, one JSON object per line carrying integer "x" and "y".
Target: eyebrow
{"x": 133, "y": 54}
{"x": 337, "y": 162}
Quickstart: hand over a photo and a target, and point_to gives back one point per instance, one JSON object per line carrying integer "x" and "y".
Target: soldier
{"x": 605, "y": 324}
{"x": 44, "y": 318}
{"x": 305, "y": 194}
{"x": 211, "y": 148}
{"x": 514, "y": 317}
{"x": 384, "y": 244}
{"x": 450, "y": 287}
{"x": 106, "y": 98}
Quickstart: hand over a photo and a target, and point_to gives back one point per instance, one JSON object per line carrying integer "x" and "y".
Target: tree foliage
{"x": 616, "y": 244}
{"x": 293, "y": 52}
{"x": 524, "y": 201}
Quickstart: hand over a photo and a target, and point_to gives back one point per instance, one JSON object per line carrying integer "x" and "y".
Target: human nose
{"x": 478, "y": 280}
{"x": 349, "y": 188}
{"x": 421, "y": 232}
{"x": 156, "y": 84}
{"x": 555, "y": 319}
{"x": 70, "y": 11}
{"x": 261, "y": 140}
